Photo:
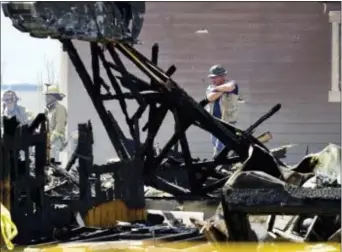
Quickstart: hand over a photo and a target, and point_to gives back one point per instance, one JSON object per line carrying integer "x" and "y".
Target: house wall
{"x": 279, "y": 52}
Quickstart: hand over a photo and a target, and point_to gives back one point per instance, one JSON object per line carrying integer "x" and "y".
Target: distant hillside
{"x": 21, "y": 87}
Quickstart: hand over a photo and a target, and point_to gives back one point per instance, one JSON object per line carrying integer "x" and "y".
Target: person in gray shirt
{"x": 223, "y": 96}
{"x": 10, "y": 107}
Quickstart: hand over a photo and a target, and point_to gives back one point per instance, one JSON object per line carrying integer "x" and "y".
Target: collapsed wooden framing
{"x": 139, "y": 164}
{"x": 159, "y": 97}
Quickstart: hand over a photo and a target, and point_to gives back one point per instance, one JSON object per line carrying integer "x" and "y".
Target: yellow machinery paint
{"x": 8, "y": 228}
{"x": 135, "y": 246}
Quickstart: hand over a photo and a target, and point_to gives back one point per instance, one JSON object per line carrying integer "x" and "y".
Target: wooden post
{"x": 85, "y": 154}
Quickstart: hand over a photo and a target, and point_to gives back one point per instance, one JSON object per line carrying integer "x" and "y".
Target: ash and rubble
{"x": 316, "y": 170}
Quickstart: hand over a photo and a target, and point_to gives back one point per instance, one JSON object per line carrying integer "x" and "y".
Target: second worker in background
{"x": 57, "y": 116}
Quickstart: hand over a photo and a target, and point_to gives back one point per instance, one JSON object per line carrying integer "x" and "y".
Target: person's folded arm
{"x": 227, "y": 87}
{"x": 213, "y": 96}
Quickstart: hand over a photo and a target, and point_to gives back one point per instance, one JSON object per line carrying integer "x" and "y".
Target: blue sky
{"x": 24, "y": 58}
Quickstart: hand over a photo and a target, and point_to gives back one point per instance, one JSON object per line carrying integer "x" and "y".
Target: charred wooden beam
{"x": 186, "y": 102}
{"x": 288, "y": 200}
{"x": 255, "y": 193}
{"x": 37, "y": 121}
{"x": 140, "y": 84}
{"x": 136, "y": 137}
{"x": 117, "y": 89}
{"x": 23, "y": 145}
{"x": 185, "y": 150}
{"x": 40, "y": 166}
{"x": 88, "y": 84}
{"x": 138, "y": 114}
{"x": 129, "y": 184}
{"x": 155, "y": 54}
{"x": 7, "y": 170}
{"x": 149, "y": 96}
{"x": 110, "y": 167}
{"x": 96, "y": 68}
{"x": 85, "y": 142}
{"x": 223, "y": 153}
{"x": 126, "y": 80}
{"x": 168, "y": 90}
{"x": 121, "y": 141}
{"x": 154, "y": 60}
{"x": 163, "y": 185}
{"x": 171, "y": 70}
{"x": 156, "y": 117}
{"x": 72, "y": 159}
{"x": 267, "y": 115}
{"x": 214, "y": 186}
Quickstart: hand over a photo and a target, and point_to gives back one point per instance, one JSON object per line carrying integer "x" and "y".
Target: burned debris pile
{"x": 90, "y": 202}
{"x": 302, "y": 203}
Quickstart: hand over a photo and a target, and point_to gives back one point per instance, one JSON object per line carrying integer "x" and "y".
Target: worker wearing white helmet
{"x": 12, "y": 109}
{"x": 57, "y": 115}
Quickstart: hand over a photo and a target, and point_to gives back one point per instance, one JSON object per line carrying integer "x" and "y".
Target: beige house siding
{"x": 279, "y": 52}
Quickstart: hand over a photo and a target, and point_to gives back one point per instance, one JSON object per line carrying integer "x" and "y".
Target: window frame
{"x": 336, "y": 56}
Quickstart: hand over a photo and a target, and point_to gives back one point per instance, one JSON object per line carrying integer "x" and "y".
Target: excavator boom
{"x": 87, "y": 21}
